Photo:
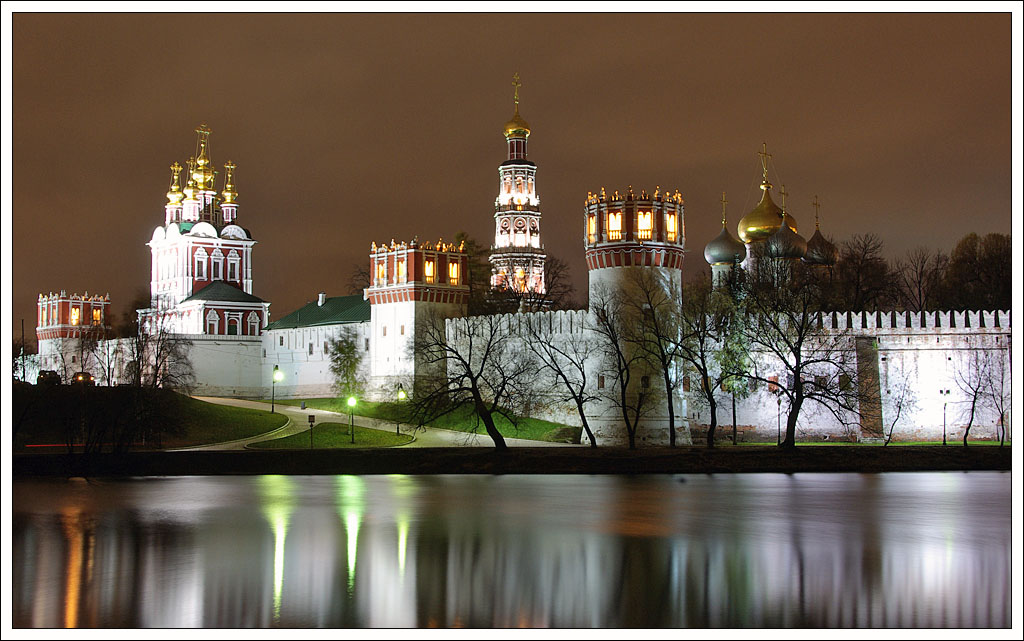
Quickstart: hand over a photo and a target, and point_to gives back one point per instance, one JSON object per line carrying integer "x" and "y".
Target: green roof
{"x": 335, "y": 310}
{"x": 218, "y": 290}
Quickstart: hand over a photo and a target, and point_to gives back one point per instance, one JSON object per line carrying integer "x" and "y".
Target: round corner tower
{"x": 627, "y": 232}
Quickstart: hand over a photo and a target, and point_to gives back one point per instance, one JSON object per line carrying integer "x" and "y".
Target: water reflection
{"x": 888, "y": 550}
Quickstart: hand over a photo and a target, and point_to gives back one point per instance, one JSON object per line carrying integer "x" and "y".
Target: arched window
{"x": 199, "y": 270}
{"x": 254, "y": 324}
{"x": 644, "y": 225}
{"x": 400, "y": 271}
{"x": 217, "y": 265}
{"x": 212, "y": 322}
{"x": 428, "y": 270}
{"x": 453, "y": 273}
{"x": 614, "y": 226}
{"x": 382, "y": 274}
{"x": 234, "y": 324}
{"x": 234, "y": 263}
{"x": 670, "y": 228}
{"x": 591, "y": 228}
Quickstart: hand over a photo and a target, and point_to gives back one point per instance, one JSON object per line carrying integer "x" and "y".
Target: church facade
{"x": 202, "y": 278}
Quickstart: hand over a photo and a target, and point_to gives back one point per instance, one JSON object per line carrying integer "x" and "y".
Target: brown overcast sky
{"x": 348, "y": 128}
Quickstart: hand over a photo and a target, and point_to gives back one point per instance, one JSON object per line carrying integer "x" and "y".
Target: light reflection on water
{"x": 765, "y": 550}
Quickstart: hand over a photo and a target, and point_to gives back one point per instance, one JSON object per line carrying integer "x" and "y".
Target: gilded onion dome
{"x": 174, "y": 194}
{"x": 724, "y": 249}
{"x": 203, "y": 172}
{"x": 764, "y": 220}
{"x": 517, "y": 126}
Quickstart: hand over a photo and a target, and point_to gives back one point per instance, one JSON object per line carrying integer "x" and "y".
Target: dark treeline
{"x": 976, "y": 275}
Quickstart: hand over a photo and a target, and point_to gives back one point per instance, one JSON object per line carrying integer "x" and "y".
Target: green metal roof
{"x": 335, "y": 310}
{"x": 218, "y": 290}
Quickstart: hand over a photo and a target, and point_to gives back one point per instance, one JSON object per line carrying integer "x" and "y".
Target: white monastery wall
{"x": 303, "y": 355}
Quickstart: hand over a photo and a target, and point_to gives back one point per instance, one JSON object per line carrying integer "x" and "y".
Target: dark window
{"x": 311, "y": 349}
{"x": 645, "y": 382}
{"x": 325, "y": 347}
{"x": 366, "y": 345}
{"x": 686, "y": 383}
{"x": 600, "y": 381}
{"x": 280, "y": 341}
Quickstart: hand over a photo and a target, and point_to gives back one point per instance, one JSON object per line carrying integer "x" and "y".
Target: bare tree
{"x": 651, "y": 300}
{"x": 615, "y": 334}
{"x": 710, "y": 342}
{"x": 565, "y": 356}
{"x": 902, "y": 403}
{"x": 999, "y": 391}
{"x": 158, "y": 357}
{"x": 782, "y": 301}
{"x": 919, "y": 278}
{"x": 864, "y": 281}
{"x": 973, "y": 377}
{"x": 359, "y": 278}
{"x": 478, "y": 367}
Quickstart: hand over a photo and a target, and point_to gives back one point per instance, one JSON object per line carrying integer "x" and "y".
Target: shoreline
{"x": 519, "y": 460}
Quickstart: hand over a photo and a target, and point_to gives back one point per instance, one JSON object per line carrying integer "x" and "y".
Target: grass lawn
{"x": 335, "y": 435}
{"x": 463, "y": 420}
{"x": 211, "y": 423}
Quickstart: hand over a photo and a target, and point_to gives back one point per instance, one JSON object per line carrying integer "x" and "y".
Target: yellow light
{"x": 592, "y": 228}
{"x": 428, "y": 270}
{"x": 671, "y": 228}
{"x": 614, "y": 226}
{"x": 75, "y": 312}
{"x": 278, "y": 375}
{"x": 453, "y": 273}
{"x": 644, "y": 224}
{"x": 351, "y": 401}
{"x": 401, "y": 271}
{"x": 401, "y": 394}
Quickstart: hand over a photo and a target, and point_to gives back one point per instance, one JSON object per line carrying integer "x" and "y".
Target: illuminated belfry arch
{"x": 517, "y": 255}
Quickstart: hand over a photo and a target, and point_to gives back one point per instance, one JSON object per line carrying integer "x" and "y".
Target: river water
{"x": 756, "y": 550}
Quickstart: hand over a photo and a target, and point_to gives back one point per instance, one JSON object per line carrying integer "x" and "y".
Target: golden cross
{"x": 517, "y": 85}
{"x": 783, "y": 193}
{"x": 176, "y": 168}
{"x": 765, "y": 157}
{"x": 724, "y": 201}
{"x": 816, "y": 205}
{"x": 203, "y": 129}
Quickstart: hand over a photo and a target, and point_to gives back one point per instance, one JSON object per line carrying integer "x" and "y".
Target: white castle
{"x": 202, "y": 290}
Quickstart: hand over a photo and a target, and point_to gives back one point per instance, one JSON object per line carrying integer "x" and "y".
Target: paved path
{"x": 298, "y": 421}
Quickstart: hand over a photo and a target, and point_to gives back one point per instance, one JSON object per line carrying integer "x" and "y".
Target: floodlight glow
{"x": 351, "y": 401}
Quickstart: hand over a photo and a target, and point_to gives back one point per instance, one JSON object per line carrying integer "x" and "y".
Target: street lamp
{"x": 401, "y": 397}
{"x": 351, "y": 427}
{"x": 278, "y": 377}
{"x": 778, "y": 401}
{"x": 945, "y": 393}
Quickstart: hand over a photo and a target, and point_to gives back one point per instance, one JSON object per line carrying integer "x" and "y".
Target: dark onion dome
{"x": 785, "y": 243}
{"x": 725, "y": 250}
{"x": 764, "y": 220}
{"x": 820, "y": 251}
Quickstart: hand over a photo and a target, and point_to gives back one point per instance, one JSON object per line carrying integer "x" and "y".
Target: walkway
{"x": 298, "y": 421}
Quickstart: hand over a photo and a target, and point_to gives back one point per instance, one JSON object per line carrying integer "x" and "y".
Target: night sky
{"x": 352, "y": 128}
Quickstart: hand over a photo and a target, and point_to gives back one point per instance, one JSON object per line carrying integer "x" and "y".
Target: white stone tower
{"x": 517, "y": 256}
{"x": 411, "y": 284}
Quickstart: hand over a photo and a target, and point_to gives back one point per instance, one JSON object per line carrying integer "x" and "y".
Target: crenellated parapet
{"x": 411, "y": 271}
{"x": 629, "y": 229}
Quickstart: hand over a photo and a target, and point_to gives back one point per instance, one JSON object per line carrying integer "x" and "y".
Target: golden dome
{"x": 517, "y": 126}
{"x": 203, "y": 173}
{"x": 764, "y": 220}
{"x": 174, "y": 194}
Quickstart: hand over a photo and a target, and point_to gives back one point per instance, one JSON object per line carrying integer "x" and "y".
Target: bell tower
{"x": 517, "y": 255}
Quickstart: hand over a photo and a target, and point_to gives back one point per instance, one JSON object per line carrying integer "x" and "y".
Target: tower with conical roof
{"x": 517, "y": 255}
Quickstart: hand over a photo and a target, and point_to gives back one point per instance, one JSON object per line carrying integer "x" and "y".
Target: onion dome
{"x": 819, "y": 250}
{"x": 229, "y": 192}
{"x": 764, "y": 220}
{"x": 174, "y": 194}
{"x": 785, "y": 242}
{"x": 203, "y": 172}
{"x": 724, "y": 249}
{"x": 517, "y": 126}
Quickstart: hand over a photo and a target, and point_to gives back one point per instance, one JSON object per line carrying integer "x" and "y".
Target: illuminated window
{"x": 97, "y": 316}
{"x": 402, "y": 330}
{"x": 591, "y": 228}
{"x": 382, "y": 274}
{"x": 644, "y": 225}
{"x": 400, "y": 275}
{"x": 670, "y": 228}
{"x": 75, "y": 315}
{"x": 614, "y": 226}
{"x": 428, "y": 270}
{"x": 453, "y": 273}
{"x": 42, "y": 320}
{"x": 384, "y": 331}
{"x": 773, "y": 387}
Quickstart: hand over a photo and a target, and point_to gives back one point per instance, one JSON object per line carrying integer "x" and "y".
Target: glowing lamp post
{"x": 944, "y": 393}
{"x": 401, "y": 397}
{"x": 351, "y": 427}
{"x": 277, "y": 378}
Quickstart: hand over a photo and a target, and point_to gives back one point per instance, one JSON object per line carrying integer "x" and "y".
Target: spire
{"x": 816, "y": 205}
{"x": 229, "y": 192}
{"x": 517, "y": 127}
{"x": 724, "y": 201}
{"x": 782, "y": 192}
{"x": 517, "y": 85}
